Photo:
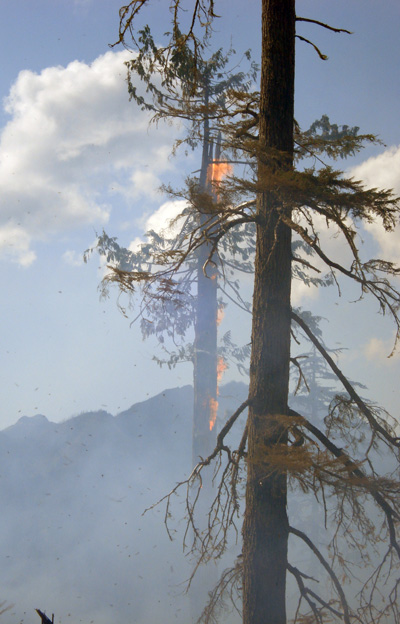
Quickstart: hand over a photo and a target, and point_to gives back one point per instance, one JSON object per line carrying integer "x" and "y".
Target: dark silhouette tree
{"x": 280, "y": 446}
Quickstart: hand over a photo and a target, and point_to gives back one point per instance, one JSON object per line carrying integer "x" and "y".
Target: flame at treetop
{"x": 221, "y": 368}
{"x": 215, "y": 173}
{"x": 218, "y": 170}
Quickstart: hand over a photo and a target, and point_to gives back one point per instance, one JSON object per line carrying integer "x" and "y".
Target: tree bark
{"x": 265, "y": 528}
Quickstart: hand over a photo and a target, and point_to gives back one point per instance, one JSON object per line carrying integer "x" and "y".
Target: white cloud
{"x": 15, "y": 245}
{"x": 301, "y": 292}
{"x": 334, "y": 246}
{"x": 142, "y": 183}
{"x": 73, "y": 258}
{"x": 379, "y": 351}
{"x": 382, "y": 172}
{"x": 160, "y": 221}
{"x": 73, "y": 138}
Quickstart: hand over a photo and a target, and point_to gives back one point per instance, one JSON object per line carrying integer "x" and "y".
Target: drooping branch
{"x": 227, "y": 427}
{"x": 362, "y": 479}
{"x": 364, "y": 409}
{"x": 322, "y": 56}
{"x": 220, "y": 446}
{"x": 4, "y": 607}
{"x": 387, "y": 296}
{"x": 307, "y": 594}
{"x": 201, "y": 13}
{"x": 228, "y": 584}
{"x": 328, "y": 568}
{"x": 303, "y": 593}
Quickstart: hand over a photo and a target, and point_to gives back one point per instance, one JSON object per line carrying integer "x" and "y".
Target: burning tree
{"x": 279, "y": 446}
{"x": 197, "y": 301}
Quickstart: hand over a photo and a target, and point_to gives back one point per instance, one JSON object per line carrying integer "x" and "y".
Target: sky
{"x": 77, "y": 157}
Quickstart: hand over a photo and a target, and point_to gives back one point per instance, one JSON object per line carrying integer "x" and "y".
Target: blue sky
{"x": 77, "y": 156}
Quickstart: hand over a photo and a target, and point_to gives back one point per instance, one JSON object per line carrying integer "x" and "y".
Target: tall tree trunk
{"x": 205, "y": 368}
{"x": 265, "y": 528}
{"x": 205, "y": 341}
{"x": 205, "y": 356}
{"x": 205, "y": 385}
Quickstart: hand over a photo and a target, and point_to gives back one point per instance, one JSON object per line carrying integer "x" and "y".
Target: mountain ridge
{"x": 72, "y": 536}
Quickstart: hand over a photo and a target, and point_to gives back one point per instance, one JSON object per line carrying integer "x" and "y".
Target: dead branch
{"x": 363, "y": 480}
{"x": 364, "y": 409}
{"x": 328, "y": 568}
{"x": 322, "y": 56}
{"x": 307, "y": 593}
{"x": 4, "y": 607}
{"x": 313, "y": 21}
{"x": 196, "y": 472}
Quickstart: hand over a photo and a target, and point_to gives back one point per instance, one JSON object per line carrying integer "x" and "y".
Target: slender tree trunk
{"x": 205, "y": 387}
{"x": 205, "y": 341}
{"x": 265, "y": 529}
{"x": 205, "y": 368}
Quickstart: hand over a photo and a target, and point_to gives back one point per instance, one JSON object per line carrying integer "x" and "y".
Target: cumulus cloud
{"x": 382, "y": 171}
{"x": 381, "y": 351}
{"x": 333, "y": 245}
{"x": 162, "y": 218}
{"x": 72, "y": 258}
{"x": 301, "y": 292}
{"x": 161, "y": 221}
{"x": 73, "y": 145}
{"x": 15, "y": 245}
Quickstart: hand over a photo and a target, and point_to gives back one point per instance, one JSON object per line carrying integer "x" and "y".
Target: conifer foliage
{"x": 282, "y": 451}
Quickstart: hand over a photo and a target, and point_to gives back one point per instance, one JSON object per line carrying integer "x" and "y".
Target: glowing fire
{"x": 221, "y": 368}
{"x": 213, "y": 412}
{"x": 220, "y": 315}
{"x": 217, "y": 170}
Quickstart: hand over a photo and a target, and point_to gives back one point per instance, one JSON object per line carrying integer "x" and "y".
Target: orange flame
{"x": 221, "y": 368}
{"x": 213, "y": 412}
{"x": 218, "y": 170}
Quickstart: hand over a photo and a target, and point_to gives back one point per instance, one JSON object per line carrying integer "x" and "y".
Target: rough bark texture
{"x": 265, "y": 529}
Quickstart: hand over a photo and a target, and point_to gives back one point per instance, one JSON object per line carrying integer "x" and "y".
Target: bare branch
{"x": 312, "y": 21}
{"x": 364, "y": 409}
{"x": 328, "y": 568}
{"x": 322, "y": 56}
{"x": 363, "y": 481}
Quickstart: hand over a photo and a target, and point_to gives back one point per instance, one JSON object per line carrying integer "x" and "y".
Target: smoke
{"x": 73, "y": 539}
